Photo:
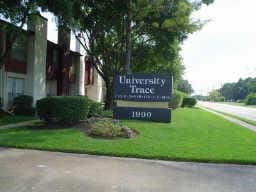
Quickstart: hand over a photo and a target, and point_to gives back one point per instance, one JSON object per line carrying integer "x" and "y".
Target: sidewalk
{"x": 234, "y": 120}
{"x": 40, "y": 171}
{"x": 20, "y": 124}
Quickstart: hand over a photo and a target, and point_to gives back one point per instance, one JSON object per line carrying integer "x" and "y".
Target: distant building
{"x": 41, "y": 68}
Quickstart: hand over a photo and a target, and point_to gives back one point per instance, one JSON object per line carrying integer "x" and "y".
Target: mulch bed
{"x": 85, "y": 127}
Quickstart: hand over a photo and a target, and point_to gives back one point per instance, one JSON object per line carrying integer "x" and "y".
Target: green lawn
{"x": 5, "y": 120}
{"x": 237, "y": 117}
{"x": 238, "y": 104}
{"x": 194, "y": 135}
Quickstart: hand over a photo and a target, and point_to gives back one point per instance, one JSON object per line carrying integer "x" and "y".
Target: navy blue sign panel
{"x": 147, "y": 114}
{"x": 142, "y": 87}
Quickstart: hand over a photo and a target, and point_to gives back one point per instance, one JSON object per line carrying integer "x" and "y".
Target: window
{"x": 89, "y": 77}
{"x": 52, "y": 62}
{"x": 15, "y": 88}
{"x": 72, "y": 73}
{"x": 19, "y": 48}
{"x": 73, "y": 68}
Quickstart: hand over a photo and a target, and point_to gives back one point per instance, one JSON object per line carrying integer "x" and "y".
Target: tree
{"x": 16, "y": 12}
{"x": 152, "y": 31}
{"x": 185, "y": 86}
{"x": 239, "y": 90}
{"x": 146, "y": 33}
{"x": 227, "y": 90}
{"x": 201, "y": 97}
{"x": 216, "y": 96}
{"x": 252, "y": 85}
{"x": 128, "y": 47}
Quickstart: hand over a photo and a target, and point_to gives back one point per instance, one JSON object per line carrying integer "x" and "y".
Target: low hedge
{"x": 63, "y": 109}
{"x": 251, "y": 99}
{"x": 188, "y": 102}
{"x": 22, "y": 105}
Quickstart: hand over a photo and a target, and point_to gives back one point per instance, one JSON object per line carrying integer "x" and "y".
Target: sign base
{"x": 147, "y": 114}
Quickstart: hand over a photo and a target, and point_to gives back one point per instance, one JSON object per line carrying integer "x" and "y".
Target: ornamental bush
{"x": 63, "y": 109}
{"x": 251, "y": 99}
{"x": 188, "y": 102}
{"x": 107, "y": 128}
{"x": 22, "y": 105}
{"x": 176, "y": 99}
{"x": 95, "y": 109}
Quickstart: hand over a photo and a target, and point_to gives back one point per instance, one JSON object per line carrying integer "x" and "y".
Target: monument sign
{"x": 142, "y": 97}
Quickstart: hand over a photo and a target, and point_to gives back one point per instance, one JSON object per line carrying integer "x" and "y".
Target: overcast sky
{"x": 225, "y": 49}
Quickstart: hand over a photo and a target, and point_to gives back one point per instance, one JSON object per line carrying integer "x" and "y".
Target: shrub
{"x": 107, "y": 113}
{"x": 25, "y": 111}
{"x": 251, "y": 99}
{"x": 188, "y": 102}
{"x": 22, "y": 105}
{"x": 219, "y": 99}
{"x": 176, "y": 99}
{"x": 24, "y": 100}
{"x": 1, "y": 103}
{"x": 106, "y": 128}
{"x": 63, "y": 109}
{"x": 95, "y": 109}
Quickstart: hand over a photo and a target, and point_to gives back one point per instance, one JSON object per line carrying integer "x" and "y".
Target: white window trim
{"x": 14, "y": 75}
{"x": 17, "y": 75}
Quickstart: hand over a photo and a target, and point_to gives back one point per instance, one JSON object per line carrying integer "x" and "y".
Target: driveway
{"x": 31, "y": 170}
{"x": 245, "y": 112}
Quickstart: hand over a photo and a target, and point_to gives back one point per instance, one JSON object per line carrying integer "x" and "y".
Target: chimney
{"x": 36, "y": 59}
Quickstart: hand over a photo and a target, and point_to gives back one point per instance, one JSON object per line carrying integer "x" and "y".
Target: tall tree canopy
{"x": 150, "y": 31}
{"x": 239, "y": 90}
{"x": 17, "y": 13}
{"x": 128, "y": 36}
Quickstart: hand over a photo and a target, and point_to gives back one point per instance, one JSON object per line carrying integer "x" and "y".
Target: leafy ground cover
{"x": 194, "y": 135}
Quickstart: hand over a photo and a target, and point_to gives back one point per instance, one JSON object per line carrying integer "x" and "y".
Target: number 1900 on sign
{"x": 141, "y": 114}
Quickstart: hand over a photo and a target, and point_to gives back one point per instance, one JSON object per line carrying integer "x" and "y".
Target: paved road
{"x": 245, "y": 112}
{"x": 31, "y": 170}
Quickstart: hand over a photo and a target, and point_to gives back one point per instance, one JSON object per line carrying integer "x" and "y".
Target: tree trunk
{"x": 63, "y": 85}
{"x": 109, "y": 95}
{"x": 128, "y": 41}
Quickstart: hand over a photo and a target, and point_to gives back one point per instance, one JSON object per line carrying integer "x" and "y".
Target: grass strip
{"x": 236, "y": 117}
{"x": 194, "y": 135}
{"x": 6, "y": 120}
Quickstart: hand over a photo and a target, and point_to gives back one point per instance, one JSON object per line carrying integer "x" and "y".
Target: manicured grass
{"x": 237, "y": 117}
{"x": 233, "y": 103}
{"x": 238, "y": 104}
{"x": 194, "y": 135}
{"x": 5, "y": 120}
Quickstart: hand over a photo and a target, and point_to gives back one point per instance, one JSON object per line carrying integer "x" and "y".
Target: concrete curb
{"x": 24, "y": 123}
{"x": 232, "y": 119}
